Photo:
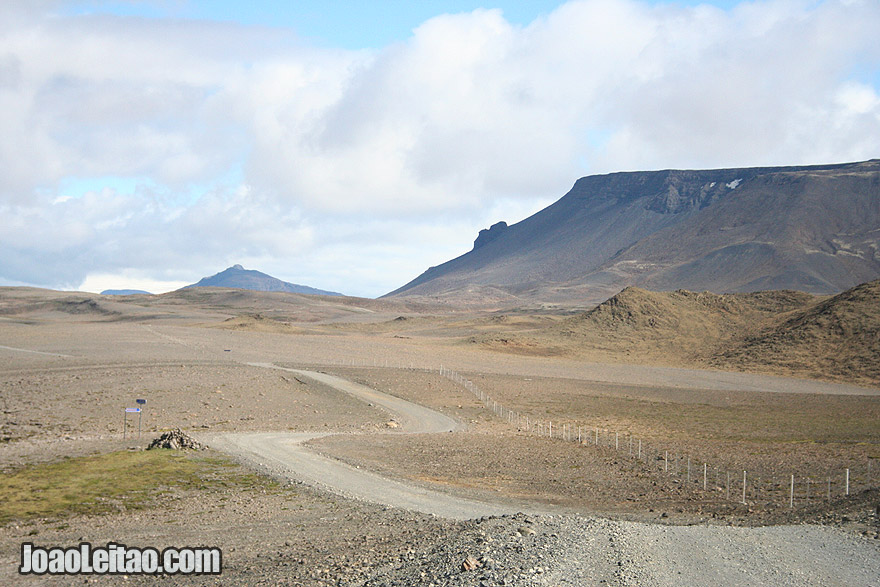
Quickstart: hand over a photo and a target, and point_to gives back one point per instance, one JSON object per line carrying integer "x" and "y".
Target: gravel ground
{"x": 63, "y": 382}
{"x": 631, "y": 553}
{"x": 571, "y": 550}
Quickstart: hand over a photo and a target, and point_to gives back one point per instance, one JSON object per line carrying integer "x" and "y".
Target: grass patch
{"x": 113, "y": 481}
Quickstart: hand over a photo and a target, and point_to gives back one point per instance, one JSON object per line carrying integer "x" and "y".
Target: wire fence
{"x": 717, "y": 482}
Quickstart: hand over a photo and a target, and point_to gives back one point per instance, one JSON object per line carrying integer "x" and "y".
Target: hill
{"x": 834, "y": 338}
{"x": 813, "y": 229}
{"x": 780, "y": 332}
{"x": 240, "y": 278}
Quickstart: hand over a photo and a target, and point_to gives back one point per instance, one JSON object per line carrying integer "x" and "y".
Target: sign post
{"x": 140, "y": 402}
{"x": 125, "y": 420}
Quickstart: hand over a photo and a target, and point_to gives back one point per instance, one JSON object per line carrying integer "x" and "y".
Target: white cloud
{"x": 128, "y": 279}
{"x": 362, "y": 168}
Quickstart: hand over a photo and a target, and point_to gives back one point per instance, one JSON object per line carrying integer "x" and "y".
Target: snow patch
{"x": 732, "y": 185}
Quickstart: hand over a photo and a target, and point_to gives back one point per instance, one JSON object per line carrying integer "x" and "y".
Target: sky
{"x": 351, "y": 145}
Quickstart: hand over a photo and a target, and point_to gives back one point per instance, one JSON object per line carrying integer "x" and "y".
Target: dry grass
{"x": 110, "y": 482}
{"x": 776, "y": 332}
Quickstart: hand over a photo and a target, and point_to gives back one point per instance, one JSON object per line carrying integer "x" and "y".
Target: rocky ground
{"x": 65, "y": 378}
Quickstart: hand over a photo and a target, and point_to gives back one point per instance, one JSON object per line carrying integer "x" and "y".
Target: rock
{"x": 392, "y": 424}
{"x": 175, "y": 439}
{"x": 489, "y": 234}
{"x": 470, "y": 564}
{"x": 526, "y": 531}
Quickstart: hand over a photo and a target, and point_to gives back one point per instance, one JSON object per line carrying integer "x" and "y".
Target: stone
{"x": 175, "y": 439}
{"x": 470, "y": 564}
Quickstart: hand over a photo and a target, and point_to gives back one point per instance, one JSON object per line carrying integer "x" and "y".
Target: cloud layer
{"x": 355, "y": 170}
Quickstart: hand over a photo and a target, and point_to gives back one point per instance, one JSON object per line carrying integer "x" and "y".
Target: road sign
{"x": 141, "y": 401}
{"x": 125, "y": 414}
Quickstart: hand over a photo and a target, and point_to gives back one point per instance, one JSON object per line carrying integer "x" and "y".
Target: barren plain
{"x": 594, "y": 507}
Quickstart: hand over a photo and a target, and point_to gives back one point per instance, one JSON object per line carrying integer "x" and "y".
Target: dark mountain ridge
{"x": 814, "y": 228}
{"x": 241, "y": 278}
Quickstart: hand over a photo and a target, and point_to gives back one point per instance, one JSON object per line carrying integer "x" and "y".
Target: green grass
{"x": 109, "y": 482}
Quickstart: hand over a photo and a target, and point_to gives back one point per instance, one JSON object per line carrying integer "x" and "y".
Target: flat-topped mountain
{"x": 241, "y": 278}
{"x": 814, "y": 229}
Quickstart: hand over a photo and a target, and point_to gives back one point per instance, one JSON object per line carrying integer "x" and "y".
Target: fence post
{"x": 829, "y": 488}
{"x": 705, "y": 466}
{"x": 666, "y": 461}
{"x": 791, "y": 494}
{"x": 640, "y": 449}
{"x": 847, "y": 482}
{"x": 744, "y": 487}
{"x": 728, "y": 486}
{"x": 689, "y": 470}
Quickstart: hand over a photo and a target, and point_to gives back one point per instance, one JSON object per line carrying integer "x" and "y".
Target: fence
{"x": 721, "y": 482}
{"x": 736, "y": 485}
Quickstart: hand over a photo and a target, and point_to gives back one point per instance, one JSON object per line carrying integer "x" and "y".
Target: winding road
{"x": 284, "y": 454}
{"x": 592, "y": 550}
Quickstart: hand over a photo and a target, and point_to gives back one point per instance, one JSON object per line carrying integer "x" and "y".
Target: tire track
{"x": 284, "y": 454}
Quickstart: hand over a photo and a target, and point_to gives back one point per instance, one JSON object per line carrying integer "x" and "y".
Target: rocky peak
{"x": 487, "y": 235}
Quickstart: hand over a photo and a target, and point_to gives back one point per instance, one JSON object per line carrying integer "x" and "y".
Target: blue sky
{"x": 349, "y": 146}
{"x": 348, "y": 24}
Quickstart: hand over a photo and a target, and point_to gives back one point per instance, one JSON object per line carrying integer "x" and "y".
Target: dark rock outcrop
{"x": 487, "y": 235}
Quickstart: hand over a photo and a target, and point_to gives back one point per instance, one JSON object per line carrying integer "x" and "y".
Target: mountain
{"x": 777, "y": 332}
{"x": 241, "y": 278}
{"x": 838, "y": 337}
{"x": 815, "y": 229}
{"x": 124, "y": 292}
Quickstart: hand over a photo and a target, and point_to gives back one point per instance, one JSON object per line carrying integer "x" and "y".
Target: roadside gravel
{"x": 621, "y": 553}
{"x": 553, "y": 550}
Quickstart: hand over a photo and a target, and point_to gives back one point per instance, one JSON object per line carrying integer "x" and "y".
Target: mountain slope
{"x": 835, "y": 338}
{"x": 241, "y": 278}
{"x": 778, "y": 332}
{"x": 815, "y": 229}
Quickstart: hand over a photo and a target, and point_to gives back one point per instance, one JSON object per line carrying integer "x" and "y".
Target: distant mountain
{"x": 814, "y": 229}
{"x": 241, "y": 278}
{"x": 124, "y": 292}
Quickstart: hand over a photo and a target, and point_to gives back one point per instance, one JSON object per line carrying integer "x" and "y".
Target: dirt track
{"x": 282, "y": 454}
{"x": 64, "y": 399}
{"x": 649, "y": 555}
{"x": 595, "y": 550}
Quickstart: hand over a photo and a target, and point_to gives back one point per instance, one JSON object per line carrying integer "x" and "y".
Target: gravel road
{"x": 630, "y": 554}
{"x": 283, "y": 454}
{"x": 412, "y": 418}
{"x": 575, "y": 550}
